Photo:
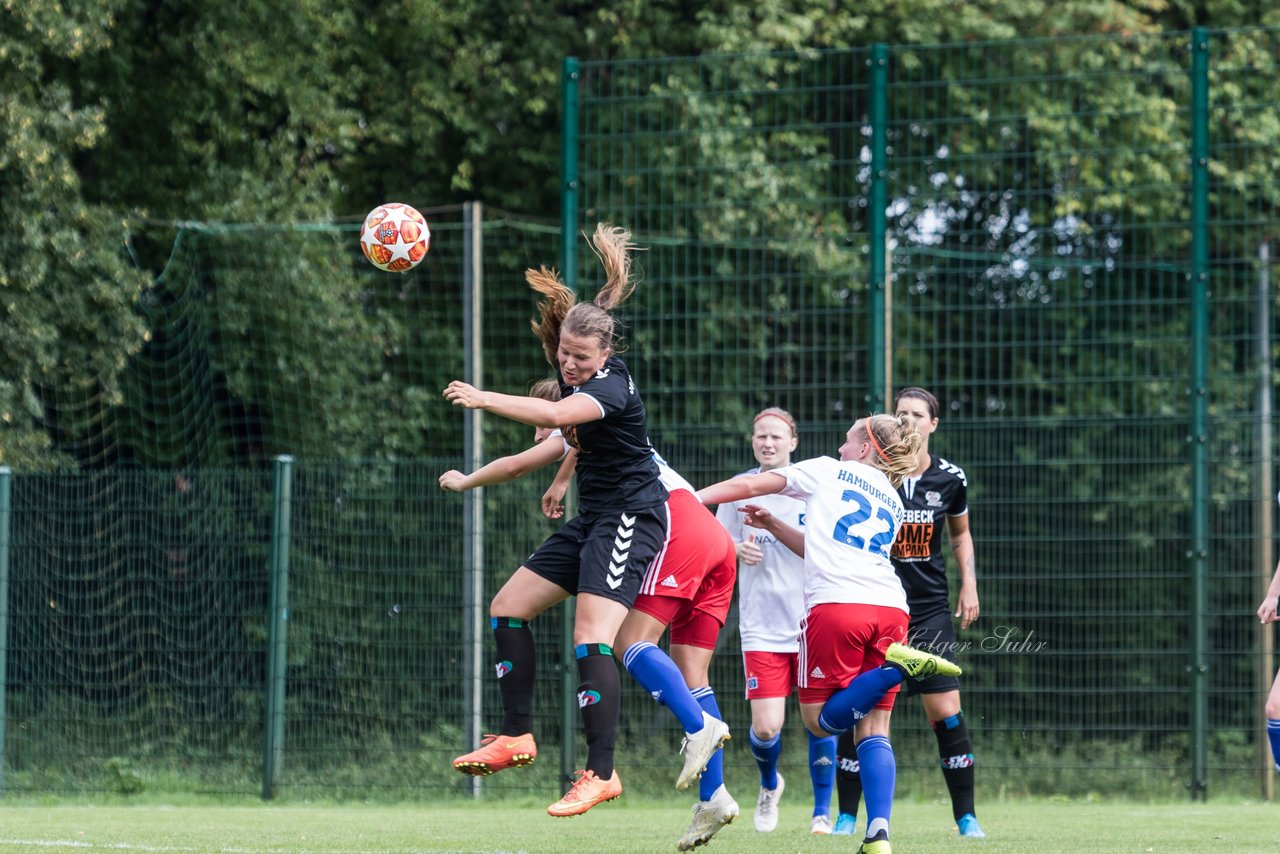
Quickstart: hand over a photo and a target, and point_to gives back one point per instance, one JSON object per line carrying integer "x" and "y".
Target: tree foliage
{"x": 124, "y": 112}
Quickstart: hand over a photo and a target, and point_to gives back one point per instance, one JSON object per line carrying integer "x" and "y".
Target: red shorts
{"x": 769, "y": 674}
{"x": 689, "y": 585}
{"x": 839, "y": 641}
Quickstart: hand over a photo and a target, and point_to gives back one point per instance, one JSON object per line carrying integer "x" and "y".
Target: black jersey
{"x": 615, "y": 459}
{"x": 917, "y": 552}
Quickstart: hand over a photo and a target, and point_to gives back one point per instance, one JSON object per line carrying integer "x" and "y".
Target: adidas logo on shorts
{"x": 670, "y": 581}
{"x": 816, "y": 673}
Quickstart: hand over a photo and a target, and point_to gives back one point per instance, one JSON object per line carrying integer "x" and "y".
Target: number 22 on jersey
{"x": 860, "y": 530}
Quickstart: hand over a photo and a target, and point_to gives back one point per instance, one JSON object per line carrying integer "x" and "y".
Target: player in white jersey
{"x": 934, "y": 496}
{"x": 851, "y": 656}
{"x": 770, "y": 607}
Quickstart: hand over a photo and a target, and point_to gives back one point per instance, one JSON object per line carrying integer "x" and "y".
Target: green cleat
{"x": 880, "y": 846}
{"x": 917, "y": 663}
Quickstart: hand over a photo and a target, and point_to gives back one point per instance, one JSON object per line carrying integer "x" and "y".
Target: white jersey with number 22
{"x": 852, "y": 515}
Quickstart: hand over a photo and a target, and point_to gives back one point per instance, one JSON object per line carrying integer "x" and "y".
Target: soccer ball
{"x": 395, "y": 237}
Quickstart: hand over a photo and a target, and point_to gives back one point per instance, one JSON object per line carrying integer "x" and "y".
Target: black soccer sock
{"x": 516, "y": 663}
{"x": 848, "y": 780}
{"x": 956, "y": 751}
{"x": 599, "y": 696}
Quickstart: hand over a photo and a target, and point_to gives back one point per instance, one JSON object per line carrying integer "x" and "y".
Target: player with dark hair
{"x": 770, "y": 607}
{"x": 934, "y": 490}
{"x": 852, "y": 660}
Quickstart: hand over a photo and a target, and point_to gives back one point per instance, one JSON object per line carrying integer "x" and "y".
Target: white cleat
{"x": 767, "y": 807}
{"x": 699, "y": 747}
{"x": 821, "y": 825}
{"x": 708, "y": 817}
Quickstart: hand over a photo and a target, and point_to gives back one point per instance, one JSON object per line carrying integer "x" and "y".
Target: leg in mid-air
{"x": 846, "y": 642}
{"x": 666, "y": 681}
{"x": 715, "y": 808}
{"x": 599, "y": 694}
{"x": 523, "y": 597}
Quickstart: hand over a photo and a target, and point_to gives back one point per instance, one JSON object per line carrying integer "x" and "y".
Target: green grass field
{"x": 1022, "y": 827}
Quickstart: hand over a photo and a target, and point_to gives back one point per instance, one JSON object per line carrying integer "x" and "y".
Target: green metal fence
{"x": 1068, "y": 241}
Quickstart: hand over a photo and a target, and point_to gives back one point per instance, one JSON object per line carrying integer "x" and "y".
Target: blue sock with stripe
{"x": 658, "y": 674}
{"x": 822, "y": 771}
{"x": 713, "y": 777}
{"x": 766, "y": 754}
{"x": 879, "y": 773}
{"x": 852, "y": 703}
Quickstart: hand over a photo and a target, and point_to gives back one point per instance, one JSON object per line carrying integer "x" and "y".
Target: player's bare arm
{"x": 504, "y": 469}
{"x": 961, "y": 541}
{"x": 553, "y": 498}
{"x": 534, "y": 411}
{"x": 759, "y": 517}
{"x": 743, "y": 486}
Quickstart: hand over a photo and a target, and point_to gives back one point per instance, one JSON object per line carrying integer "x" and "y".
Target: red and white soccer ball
{"x": 395, "y": 237}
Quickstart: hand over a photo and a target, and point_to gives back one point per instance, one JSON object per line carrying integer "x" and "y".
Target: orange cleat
{"x": 586, "y": 793}
{"x": 497, "y": 753}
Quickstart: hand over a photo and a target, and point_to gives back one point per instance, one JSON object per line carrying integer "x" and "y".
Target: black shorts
{"x": 934, "y": 631}
{"x": 603, "y": 553}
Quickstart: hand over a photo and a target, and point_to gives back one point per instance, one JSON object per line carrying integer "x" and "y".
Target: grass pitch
{"x": 1022, "y": 827}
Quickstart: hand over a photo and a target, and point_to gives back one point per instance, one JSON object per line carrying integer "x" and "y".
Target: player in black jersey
{"x": 601, "y": 555}
{"x": 934, "y": 493}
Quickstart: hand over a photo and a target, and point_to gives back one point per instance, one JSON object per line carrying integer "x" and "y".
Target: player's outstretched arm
{"x": 742, "y": 486}
{"x": 534, "y": 411}
{"x": 759, "y": 517}
{"x": 504, "y": 469}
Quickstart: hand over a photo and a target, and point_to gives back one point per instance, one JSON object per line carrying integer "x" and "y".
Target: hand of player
{"x": 552, "y": 502}
{"x": 452, "y": 480}
{"x": 463, "y": 394}
{"x": 1267, "y": 611}
{"x": 967, "y": 607}
{"x": 748, "y": 552}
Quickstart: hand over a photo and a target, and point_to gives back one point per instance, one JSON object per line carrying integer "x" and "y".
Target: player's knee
{"x": 1273, "y": 708}
{"x": 765, "y": 731}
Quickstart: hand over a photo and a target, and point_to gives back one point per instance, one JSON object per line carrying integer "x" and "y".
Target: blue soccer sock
{"x": 1273, "y": 735}
{"x": 879, "y": 771}
{"x": 852, "y": 703}
{"x": 658, "y": 674}
{"x": 766, "y": 754}
{"x": 713, "y": 777}
{"x": 822, "y": 771}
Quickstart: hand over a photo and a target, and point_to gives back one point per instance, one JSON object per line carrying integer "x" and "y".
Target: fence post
{"x": 6, "y": 478}
{"x": 569, "y": 269}
{"x": 1265, "y": 550}
{"x": 877, "y": 391}
{"x": 1199, "y": 396}
{"x": 278, "y": 622}
{"x": 473, "y": 499}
